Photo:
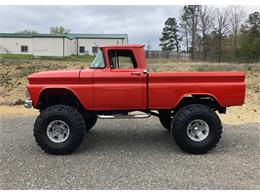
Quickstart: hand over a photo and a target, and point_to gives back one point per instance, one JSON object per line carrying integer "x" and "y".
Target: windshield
{"x": 98, "y": 62}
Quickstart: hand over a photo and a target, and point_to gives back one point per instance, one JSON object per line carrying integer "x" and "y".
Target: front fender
{"x": 83, "y": 93}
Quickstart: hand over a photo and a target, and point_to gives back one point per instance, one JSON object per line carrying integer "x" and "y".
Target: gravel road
{"x": 123, "y": 154}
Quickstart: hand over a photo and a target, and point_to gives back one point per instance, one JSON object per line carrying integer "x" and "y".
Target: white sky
{"x": 141, "y": 23}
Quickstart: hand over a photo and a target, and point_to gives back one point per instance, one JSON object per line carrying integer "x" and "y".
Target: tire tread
{"x": 178, "y": 130}
{"x": 75, "y": 118}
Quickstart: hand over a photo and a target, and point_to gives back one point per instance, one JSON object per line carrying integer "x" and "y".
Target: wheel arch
{"x": 47, "y": 92}
{"x": 202, "y": 98}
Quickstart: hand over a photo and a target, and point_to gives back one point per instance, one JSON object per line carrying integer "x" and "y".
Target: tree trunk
{"x": 193, "y": 39}
{"x": 204, "y": 46}
{"x": 219, "y": 48}
{"x": 187, "y": 41}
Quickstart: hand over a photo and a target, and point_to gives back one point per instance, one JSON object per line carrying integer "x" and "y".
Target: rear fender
{"x": 206, "y": 99}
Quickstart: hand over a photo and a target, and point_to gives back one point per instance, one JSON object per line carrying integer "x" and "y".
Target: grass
{"x": 81, "y": 58}
{"x": 16, "y": 56}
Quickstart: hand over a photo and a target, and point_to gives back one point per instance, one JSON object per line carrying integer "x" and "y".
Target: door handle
{"x": 136, "y": 73}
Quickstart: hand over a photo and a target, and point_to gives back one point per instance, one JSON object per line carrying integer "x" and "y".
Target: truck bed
{"x": 166, "y": 89}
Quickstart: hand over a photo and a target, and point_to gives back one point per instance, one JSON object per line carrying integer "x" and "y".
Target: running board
{"x": 124, "y": 116}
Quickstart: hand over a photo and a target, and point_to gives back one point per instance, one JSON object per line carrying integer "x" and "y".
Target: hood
{"x": 55, "y": 77}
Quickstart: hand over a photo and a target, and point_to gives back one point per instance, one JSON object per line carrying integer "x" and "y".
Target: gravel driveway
{"x": 123, "y": 154}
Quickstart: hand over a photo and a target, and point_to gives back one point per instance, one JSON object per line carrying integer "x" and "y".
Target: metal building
{"x": 57, "y": 45}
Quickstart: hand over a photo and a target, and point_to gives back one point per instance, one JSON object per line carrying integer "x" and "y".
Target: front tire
{"x": 59, "y": 129}
{"x": 196, "y": 129}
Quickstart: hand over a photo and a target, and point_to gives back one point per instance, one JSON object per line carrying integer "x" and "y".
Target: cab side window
{"x": 121, "y": 59}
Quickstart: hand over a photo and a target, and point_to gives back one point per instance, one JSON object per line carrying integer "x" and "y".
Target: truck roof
{"x": 123, "y": 46}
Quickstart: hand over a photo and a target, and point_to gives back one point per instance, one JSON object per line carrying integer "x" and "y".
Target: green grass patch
{"x": 16, "y": 56}
{"x": 82, "y": 58}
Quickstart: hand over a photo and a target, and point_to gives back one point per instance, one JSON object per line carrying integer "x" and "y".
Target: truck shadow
{"x": 128, "y": 139}
{"x": 152, "y": 138}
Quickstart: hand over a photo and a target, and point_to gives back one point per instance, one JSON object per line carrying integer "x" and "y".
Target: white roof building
{"x": 60, "y": 45}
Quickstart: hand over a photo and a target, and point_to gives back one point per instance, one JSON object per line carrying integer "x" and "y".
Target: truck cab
{"x": 120, "y": 77}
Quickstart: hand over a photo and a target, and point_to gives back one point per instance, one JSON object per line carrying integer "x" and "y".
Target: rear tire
{"x": 165, "y": 118}
{"x": 166, "y": 122}
{"x": 196, "y": 129}
{"x": 50, "y": 126}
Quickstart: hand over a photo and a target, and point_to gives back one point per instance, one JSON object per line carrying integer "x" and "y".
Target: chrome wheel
{"x": 58, "y": 131}
{"x": 198, "y": 130}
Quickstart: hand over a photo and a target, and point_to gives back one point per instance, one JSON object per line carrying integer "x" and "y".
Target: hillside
{"x": 13, "y": 74}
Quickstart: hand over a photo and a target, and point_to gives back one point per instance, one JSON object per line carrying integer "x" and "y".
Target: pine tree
{"x": 170, "y": 38}
{"x": 250, "y": 40}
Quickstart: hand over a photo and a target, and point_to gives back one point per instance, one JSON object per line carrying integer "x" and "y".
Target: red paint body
{"x": 126, "y": 89}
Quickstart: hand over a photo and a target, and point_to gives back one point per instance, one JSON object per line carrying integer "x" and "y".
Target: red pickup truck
{"x": 118, "y": 85}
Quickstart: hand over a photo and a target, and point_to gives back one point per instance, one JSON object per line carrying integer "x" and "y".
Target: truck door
{"x": 121, "y": 86}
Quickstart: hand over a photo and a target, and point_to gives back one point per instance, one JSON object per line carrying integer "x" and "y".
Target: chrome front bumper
{"x": 28, "y": 103}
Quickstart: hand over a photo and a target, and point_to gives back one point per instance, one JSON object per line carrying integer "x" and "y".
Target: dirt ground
{"x": 13, "y": 80}
{"x": 13, "y": 73}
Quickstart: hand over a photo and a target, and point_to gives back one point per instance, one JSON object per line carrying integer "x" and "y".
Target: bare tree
{"x": 190, "y": 18}
{"x": 221, "y": 25}
{"x": 237, "y": 17}
{"x": 184, "y": 31}
{"x": 205, "y": 18}
{"x": 149, "y": 46}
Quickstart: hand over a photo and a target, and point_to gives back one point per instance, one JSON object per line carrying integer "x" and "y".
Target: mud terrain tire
{"x": 165, "y": 118}
{"x": 196, "y": 128}
{"x": 60, "y": 117}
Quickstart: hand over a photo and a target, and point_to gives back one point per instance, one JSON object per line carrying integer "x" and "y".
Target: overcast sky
{"x": 141, "y": 23}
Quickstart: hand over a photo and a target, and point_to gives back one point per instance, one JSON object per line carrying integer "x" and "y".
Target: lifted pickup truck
{"x": 116, "y": 85}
